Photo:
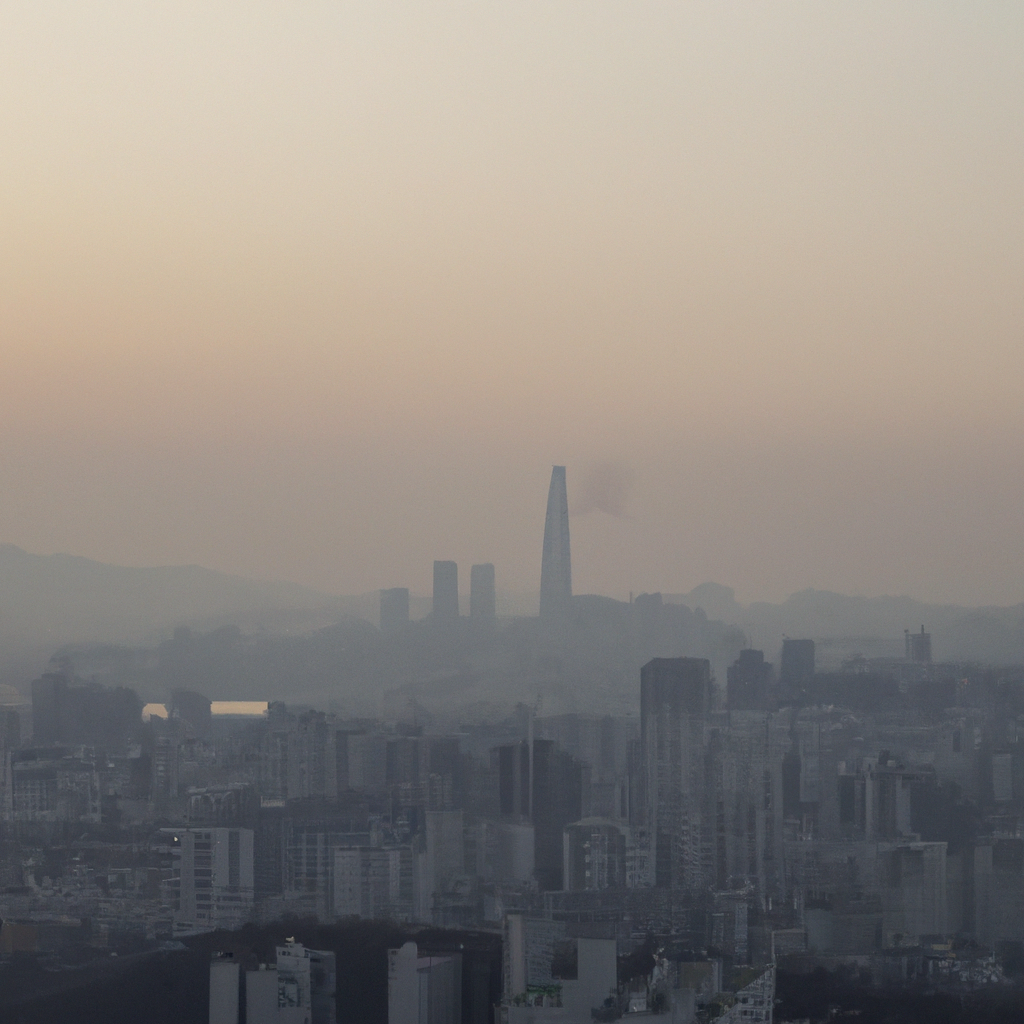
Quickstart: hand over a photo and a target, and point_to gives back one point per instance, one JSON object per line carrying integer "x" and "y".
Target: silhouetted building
{"x": 748, "y": 680}
{"x": 919, "y": 646}
{"x": 64, "y": 712}
{"x": 10, "y": 730}
{"x": 559, "y": 781}
{"x": 445, "y": 772}
{"x": 166, "y": 760}
{"x": 797, "y": 667}
{"x": 675, "y": 697}
{"x": 446, "y": 593}
{"x": 551, "y": 792}
{"x": 514, "y": 779}
{"x": 269, "y": 839}
{"x": 312, "y": 759}
{"x": 193, "y": 710}
{"x": 394, "y": 609}
{"x": 404, "y": 760}
{"x": 482, "y": 604}
{"x": 556, "y": 564}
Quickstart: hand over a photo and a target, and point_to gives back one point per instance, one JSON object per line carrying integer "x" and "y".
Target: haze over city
{"x": 320, "y": 293}
{"x": 511, "y": 512}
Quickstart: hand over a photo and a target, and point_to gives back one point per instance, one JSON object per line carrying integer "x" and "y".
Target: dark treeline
{"x": 831, "y": 995}
{"x": 171, "y": 986}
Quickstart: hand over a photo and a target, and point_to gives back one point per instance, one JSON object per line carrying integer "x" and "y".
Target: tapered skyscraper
{"x": 556, "y": 566}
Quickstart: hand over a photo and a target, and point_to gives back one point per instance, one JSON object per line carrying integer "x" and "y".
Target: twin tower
{"x": 446, "y": 592}
{"x": 555, "y": 575}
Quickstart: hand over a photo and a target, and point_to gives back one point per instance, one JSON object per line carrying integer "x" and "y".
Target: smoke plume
{"x": 605, "y": 487}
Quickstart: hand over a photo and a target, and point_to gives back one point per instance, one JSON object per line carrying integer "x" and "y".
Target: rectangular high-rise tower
{"x": 445, "y": 609}
{"x": 675, "y": 698}
{"x": 797, "y": 668}
{"x": 556, "y": 564}
{"x": 919, "y": 647}
{"x": 749, "y": 682}
{"x": 481, "y": 592}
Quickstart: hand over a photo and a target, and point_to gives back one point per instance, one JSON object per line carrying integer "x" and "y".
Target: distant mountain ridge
{"x": 48, "y": 601}
{"x": 872, "y": 626}
{"x": 98, "y": 601}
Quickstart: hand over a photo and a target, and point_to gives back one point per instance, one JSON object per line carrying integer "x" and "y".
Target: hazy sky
{"x": 320, "y": 291}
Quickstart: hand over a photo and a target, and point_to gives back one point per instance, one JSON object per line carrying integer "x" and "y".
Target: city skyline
{"x": 511, "y": 513}
{"x": 315, "y": 296}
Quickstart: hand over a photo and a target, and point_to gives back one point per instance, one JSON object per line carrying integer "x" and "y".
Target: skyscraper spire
{"x": 556, "y": 566}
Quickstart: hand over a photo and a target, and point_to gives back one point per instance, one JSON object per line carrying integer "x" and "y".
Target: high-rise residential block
{"x": 559, "y": 788}
{"x": 675, "y": 698}
{"x": 446, "y": 593}
{"x": 919, "y": 646}
{"x": 212, "y": 884}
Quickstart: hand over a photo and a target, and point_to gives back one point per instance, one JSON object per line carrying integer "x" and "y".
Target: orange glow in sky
{"x": 321, "y": 291}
